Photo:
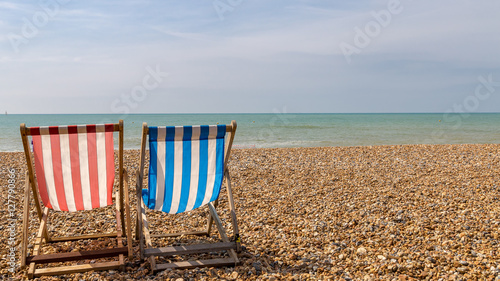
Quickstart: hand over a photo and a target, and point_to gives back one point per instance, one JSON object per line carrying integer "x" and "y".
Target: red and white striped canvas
{"x": 74, "y": 165}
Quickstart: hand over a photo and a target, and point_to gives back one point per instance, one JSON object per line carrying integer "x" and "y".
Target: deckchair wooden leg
{"x": 118, "y": 222}
{"x": 211, "y": 219}
{"x": 236, "y": 231}
{"x": 140, "y": 238}
{"x": 122, "y": 173}
{"x": 38, "y": 241}
{"x": 31, "y": 271}
{"x": 147, "y": 237}
{"x": 136, "y": 234}
{"x": 142, "y": 226}
{"x": 222, "y": 232}
{"x": 140, "y": 176}
{"x": 29, "y": 160}
{"x": 127, "y": 214}
{"x": 122, "y": 212}
{"x": 119, "y": 219}
{"x": 26, "y": 215}
{"x": 140, "y": 217}
{"x": 38, "y": 206}
{"x": 142, "y": 231}
{"x": 121, "y": 261}
{"x": 152, "y": 261}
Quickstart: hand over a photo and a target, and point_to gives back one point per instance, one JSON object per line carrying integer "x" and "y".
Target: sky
{"x": 249, "y": 56}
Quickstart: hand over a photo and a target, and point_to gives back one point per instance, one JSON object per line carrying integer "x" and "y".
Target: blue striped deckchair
{"x": 187, "y": 167}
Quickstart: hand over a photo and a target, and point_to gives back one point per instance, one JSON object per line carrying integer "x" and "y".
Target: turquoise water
{"x": 291, "y": 130}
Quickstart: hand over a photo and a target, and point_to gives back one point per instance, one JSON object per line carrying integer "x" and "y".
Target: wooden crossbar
{"x": 72, "y": 256}
{"x": 88, "y": 236}
{"x": 76, "y": 268}
{"x": 195, "y": 233}
{"x": 229, "y": 128}
{"x": 189, "y": 249}
{"x": 29, "y": 131}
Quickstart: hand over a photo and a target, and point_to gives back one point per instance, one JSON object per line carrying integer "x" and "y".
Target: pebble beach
{"x": 405, "y": 212}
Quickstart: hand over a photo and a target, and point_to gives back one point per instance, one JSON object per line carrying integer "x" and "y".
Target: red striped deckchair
{"x": 187, "y": 167}
{"x": 74, "y": 170}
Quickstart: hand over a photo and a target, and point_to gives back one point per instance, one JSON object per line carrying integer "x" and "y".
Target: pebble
{"x": 361, "y": 251}
{"x": 431, "y": 212}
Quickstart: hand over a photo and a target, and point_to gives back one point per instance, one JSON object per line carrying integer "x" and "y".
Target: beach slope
{"x": 352, "y": 213}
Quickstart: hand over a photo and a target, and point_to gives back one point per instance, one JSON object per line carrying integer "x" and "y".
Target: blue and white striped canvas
{"x": 186, "y": 167}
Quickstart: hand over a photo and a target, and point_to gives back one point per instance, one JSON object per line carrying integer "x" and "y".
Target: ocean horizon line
{"x": 252, "y": 113}
{"x": 273, "y": 130}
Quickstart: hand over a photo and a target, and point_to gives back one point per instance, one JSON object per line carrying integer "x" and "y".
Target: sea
{"x": 274, "y": 130}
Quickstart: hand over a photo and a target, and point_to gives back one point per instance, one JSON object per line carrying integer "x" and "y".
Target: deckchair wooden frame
{"x": 143, "y": 234}
{"x": 122, "y": 218}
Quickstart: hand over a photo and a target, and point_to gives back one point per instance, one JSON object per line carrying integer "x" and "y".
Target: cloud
{"x": 278, "y": 53}
{"x": 11, "y": 6}
{"x": 182, "y": 35}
